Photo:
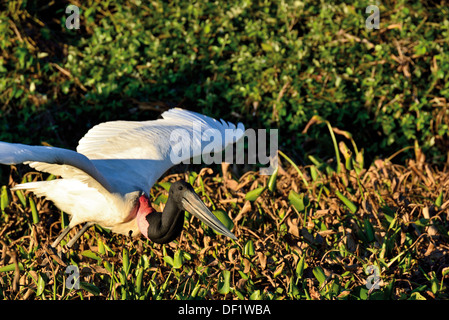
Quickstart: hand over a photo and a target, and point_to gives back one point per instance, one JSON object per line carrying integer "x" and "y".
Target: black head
{"x": 177, "y": 191}
{"x": 166, "y": 226}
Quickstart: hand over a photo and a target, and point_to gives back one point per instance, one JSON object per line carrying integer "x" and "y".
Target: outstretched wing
{"x": 133, "y": 155}
{"x": 66, "y": 163}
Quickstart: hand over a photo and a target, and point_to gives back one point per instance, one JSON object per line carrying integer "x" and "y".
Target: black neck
{"x": 166, "y": 226}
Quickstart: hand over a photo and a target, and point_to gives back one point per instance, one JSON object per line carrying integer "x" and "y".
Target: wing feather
{"x": 128, "y": 156}
{"x": 58, "y": 161}
{"x": 135, "y": 154}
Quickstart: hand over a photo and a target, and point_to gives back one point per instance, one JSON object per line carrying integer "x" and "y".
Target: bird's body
{"x": 112, "y": 210}
{"x": 107, "y": 181}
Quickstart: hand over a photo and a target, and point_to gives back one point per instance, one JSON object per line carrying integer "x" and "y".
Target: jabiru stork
{"x": 108, "y": 179}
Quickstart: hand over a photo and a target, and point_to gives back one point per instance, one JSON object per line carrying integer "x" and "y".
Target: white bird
{"x": 108, "y": 180}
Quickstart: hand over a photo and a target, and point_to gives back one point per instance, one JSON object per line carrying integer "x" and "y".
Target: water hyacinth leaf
{"x": 40, "y": 285}
{"x": 178, "y": 259}
{"x": 91, "y": 254}
{"x": 89, "y": 287}
{"x": 139, "y": 279}
{"x": 192, "y": 177}
{"x": 417, "y": 296}
{"x": 297, "y": 200}
{"x": 278, "y": 270}
{"x": 293, "y": 289}
{"x": 439, "y": 200}
{"x": 249, "y": 248}
{"x": 313, "y": 172}
{"x": 4, "y": 199}
{"x": 224, "y": 285}
{"x": 22, "y": 198}
{"x": 369, "y": 230}
{"x": 162, "y": 198}
{"x": 101, "y": 248}
{"x": 319, "y": 274}
{"x": 347, "y": 154}
{"x": 254, "y": 194}
{"x": 126, "y": 264}
{"x": 11, "y": 267}
{"x": 109, "y": 267}
{"x": 300, "y": 267}
{"x": 195, "y": 290}
{"x": 224, "y": 218}
{"x": 169, "y": 260}
{"x": 34, "y": 212}
{"x": 187, "y": 256}
{"x": 256, "y": 295}
{"x": 348, "y": 203}
{"x": 272, "y": 181}
{"x": 165, "y": 185}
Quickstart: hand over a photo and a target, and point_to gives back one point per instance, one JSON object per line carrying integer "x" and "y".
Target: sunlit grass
{"x": 294, "y": 242}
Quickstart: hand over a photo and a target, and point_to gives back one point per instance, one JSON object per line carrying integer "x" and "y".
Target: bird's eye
{"x": 180, "y": 188}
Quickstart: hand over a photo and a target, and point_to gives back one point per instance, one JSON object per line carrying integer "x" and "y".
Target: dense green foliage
{"x": 275, "y": 64}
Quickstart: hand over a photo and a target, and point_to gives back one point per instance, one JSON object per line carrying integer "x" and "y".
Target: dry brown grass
{"x": 321, "y": 252}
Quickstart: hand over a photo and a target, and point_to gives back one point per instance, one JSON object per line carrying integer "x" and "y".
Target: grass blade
{"x": 34, "y": 212}
{"x": 272, "y": 181}
{"x": 254, "y": 194}
{"x": 439, "y": 200}
{"x": 348, "y": 203}
{"x": 294, "y": 166}
{"x": 22, "y": 198}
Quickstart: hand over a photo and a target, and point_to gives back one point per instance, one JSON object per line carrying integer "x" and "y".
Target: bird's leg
{"x": 61, "y": 236}
{"x": 80, "y": 233}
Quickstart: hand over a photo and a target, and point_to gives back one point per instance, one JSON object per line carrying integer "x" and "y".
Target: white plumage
{"x": 115, "y": 162}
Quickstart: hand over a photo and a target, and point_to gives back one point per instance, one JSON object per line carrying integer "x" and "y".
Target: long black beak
{"x": 192, "y": 203}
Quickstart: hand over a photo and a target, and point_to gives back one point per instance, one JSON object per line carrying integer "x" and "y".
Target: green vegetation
{"x": 343, "y": 97}
{"x": 378, "y": 234}
{"x": 274, "y": 64}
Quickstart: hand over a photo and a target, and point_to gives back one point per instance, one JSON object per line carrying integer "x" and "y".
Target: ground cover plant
{"x": 313, "y": 235}
{"x": 358, "y": 208}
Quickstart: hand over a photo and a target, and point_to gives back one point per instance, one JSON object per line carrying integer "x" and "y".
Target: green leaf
{"x": 165, "y": 185}
{"x": 224, "y": 218}
{"x": 439, "y": 200}
{"x": 89, "y": 287}
{"x": 319, "y": 274}
{"x": 178, "y": 259}
{"x": 22, "y": 198}
{"x": 369, "y": 230}
{"x": 272, "y": 181}
{"x": 224, "y": 282}
{"x": 40, "y": 285}
{"x": 161, "y": 198}
{"x": 126, "y": 264}
{"x": 11, "y": 267}
{"x": 293, "y": 289}
{"x": 91, "y": 254}
{"x": 297, "y": 200}
{"x": 313, "y": 172}
{"x": 249, "y": 248}
{"x": 417, "y": 296}
{"x": 256, "y": 295}
{"x": 4, "y": 199}
{"x": 348, "y": 203}
{"x": 139, "y": 279}
{"x": 34, "y": 212}
{"x": 300, "y": 266}
{"x": 254, "y": 194}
